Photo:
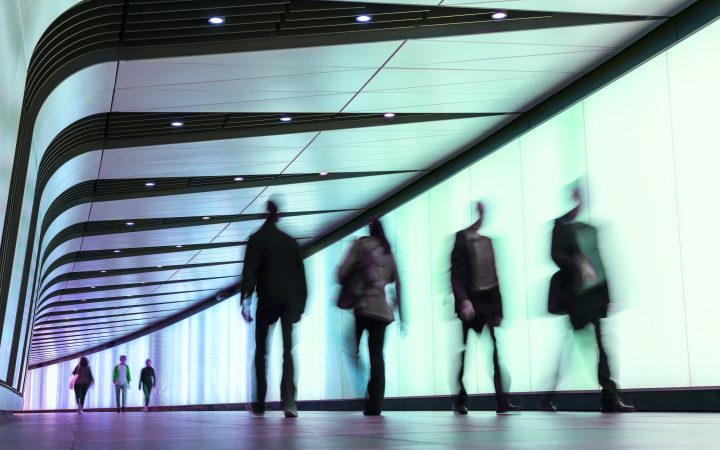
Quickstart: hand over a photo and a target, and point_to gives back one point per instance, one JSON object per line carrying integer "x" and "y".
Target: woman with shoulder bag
{"x": 371, "y": 260}
{"x": 82, "y": 381}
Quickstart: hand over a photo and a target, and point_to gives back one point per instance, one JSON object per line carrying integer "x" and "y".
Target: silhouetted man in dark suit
{"x": 273, "y": 264}
{"x": 579, "y": 289}
{"x": 476, "y": 289}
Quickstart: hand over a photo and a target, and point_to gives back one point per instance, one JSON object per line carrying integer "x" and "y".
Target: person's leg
{"x": 261, "y": 331}
{"x": 78, "y": 390}
{"x": 117, "y": 397}
{"x": 376, "y": 384}
{"x": 83, "y": 393}
{"x": 461, "y": 397}
{"x": 124, "y": 395}
{"x": 287, "y": 386}
{"x": 147, "y": 390}
{"x": 500, "y": 396}
{"x": 610, "y": 391}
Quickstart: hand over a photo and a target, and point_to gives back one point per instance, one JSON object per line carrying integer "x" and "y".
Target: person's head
{"x": 480, "y": 209}
{"x": 577, "y": 200}
{"x": 272, "y": 210}
{"x": 84, "y": 362}
{"x": 376, "y": 230}
{"x": 123, "y": 358}
{"x": 148, "y": 363}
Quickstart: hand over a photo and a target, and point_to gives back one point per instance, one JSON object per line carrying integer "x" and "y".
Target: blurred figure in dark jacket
{"x": 274, "y": 266}
{"x": 370, "y": 261}
{"x": 579, "y": 289}
{"x": 478, "y": 303}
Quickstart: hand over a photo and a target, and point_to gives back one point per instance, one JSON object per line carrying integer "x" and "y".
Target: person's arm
{"x": 140, "y": 380}
{"x": 348, "y": 263}
{"x": 115, "y": 375}
{"x": 127, "y": 373}
{"x": 251, "y": 264}
{"x": 563, "y": 248}
{"x": 458, "y": 269}
{"x": 76, "y": 370}
{"x": 152, "y": 376}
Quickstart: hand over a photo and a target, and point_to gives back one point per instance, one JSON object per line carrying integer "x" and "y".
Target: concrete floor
{"x": 342, "y": 430}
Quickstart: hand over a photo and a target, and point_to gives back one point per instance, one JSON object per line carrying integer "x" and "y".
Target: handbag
{"x": 352, "y": 289}
{"x": 73, "y": 380}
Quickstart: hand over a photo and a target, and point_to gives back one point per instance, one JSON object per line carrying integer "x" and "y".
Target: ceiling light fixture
{"x": 150, "y": 184}
{"x": 499, "y": 15}
{"x": 238, "y": 179}
{"x": 389, "y": 115}
{"x": 286, "y": 119}
{"x": 129, "y": 223}
{"x": 116, "y": 251}
{"x": 216, "y": 20}
{"x": 176, "y": 124}
{"x": 206, "y": 218}
{"x": 103, "y": 271}
{"x": 159, "y": 267}
{"x": 178, "y": 246}
{"x": 363, "y": 18}
{"x": 92, "y": 287}
{"x": 322, "y": 174}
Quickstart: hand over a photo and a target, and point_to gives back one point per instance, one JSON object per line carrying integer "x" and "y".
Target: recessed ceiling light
{"x": 499, "y": 15}
{"x": 176, "y": 124}
{"x": 286, "y": 119}
{"x": 92, "y": 287}
{"x": 216, "y": 20}
{"x": 129, "y": 223}
{"x": 117, "y": 251}
{"x": 363, "y": 18}
{"x": 103, "y": 271}
{"x": 322, "y": 174}
{"x": 178, "y": 246}
{"x": 159, "y": 267}
{"x": 206, "y": 218}
{"x": 150, "y": 184}
{"x": 389, "y": 115}
{"x": 238, "y": 179}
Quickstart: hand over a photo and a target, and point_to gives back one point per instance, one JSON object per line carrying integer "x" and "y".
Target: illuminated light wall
{"x": 647, "y": 151}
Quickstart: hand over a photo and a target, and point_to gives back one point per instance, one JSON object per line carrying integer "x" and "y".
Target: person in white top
{"x": 121, "y": 380}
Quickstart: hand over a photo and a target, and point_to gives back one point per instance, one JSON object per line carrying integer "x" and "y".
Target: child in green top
{"x": 121, "y": 380}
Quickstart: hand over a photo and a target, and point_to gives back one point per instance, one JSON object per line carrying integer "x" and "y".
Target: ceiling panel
{"x": 636, "y": 7}
{"x": 200, "y": 234}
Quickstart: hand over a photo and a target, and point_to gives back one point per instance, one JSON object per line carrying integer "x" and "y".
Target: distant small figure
{"x": 476, "y": 288}
{"x": 121, "y": 380}
{"x": 580, "y": 290}
{"x": 274, "y": 264}
{"x": 367, "y": 268}
{"x": 147, "y": 382}
{"x": 82, "y": 381}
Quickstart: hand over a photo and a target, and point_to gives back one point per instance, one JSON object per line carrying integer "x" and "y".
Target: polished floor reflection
{"x": 333, "y": 430}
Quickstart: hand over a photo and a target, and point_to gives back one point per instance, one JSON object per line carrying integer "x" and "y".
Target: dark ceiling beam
{"x": 87, "y": 290}
{"x": 75, "y": 276}
{"x": 98, "y": 255}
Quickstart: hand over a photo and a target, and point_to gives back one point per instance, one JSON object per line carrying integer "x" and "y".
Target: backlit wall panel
{"x": 644, "y": 151}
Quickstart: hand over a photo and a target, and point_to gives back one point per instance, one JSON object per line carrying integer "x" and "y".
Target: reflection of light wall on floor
{"x": 646, "y": 156}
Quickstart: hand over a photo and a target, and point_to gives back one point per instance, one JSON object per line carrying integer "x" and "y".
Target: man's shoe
{"x": 616, "y": 406}
{"x": 118, "y": 411}
{"x": 506, "y": 407}
{"x": 547, "y": 407}
{"x": 257, "y": 410}
{"x": 460, "y": 410}
{"x": 372, "y": 412}
{"x": 291, "y": 412}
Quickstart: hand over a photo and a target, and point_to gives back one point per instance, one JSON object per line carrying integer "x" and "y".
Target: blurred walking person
{"x": 580, "y": 290}
{"x": 478, "y": 303}
{"x": 366, "y": 269}
{"x": 121, "y": 380}
{"x": 274, "y": 266}
{"x": 82, "y": 381}
{"x": 147, "y": 382}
